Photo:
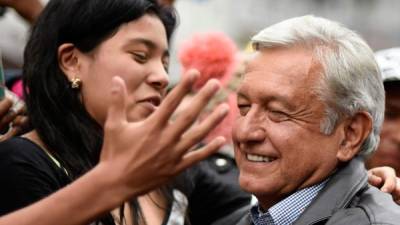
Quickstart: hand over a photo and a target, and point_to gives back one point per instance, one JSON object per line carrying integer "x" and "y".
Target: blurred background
{"x": 378, "y": 21}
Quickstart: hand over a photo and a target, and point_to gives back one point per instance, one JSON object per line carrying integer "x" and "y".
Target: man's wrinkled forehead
{"x": 262, "y": 60}
{"x": 250, "y": 62}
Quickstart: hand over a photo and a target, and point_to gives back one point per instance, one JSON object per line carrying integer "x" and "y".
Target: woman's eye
{"x": 277, "y": 116}
{"x": 166, "y": 66}
{"x": 140, "y": 57}
{"x": 243, "y": 109}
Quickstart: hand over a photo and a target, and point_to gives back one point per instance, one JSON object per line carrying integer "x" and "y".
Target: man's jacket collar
{"x": 337, "y": 194}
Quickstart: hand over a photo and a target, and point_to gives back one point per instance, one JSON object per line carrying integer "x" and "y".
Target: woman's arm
{"x": 82, "y": 201}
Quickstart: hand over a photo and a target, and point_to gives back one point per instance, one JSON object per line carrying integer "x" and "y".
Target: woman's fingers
{"x": 190, "y": 114}
{"x": 173, "y": 99}
{"x": 198, "y": 132}
{"x": 192, "y": 157}
{"x": 116, "y": 114}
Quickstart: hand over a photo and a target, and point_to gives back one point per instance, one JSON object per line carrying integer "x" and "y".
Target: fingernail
{"x": 224, "y": 109}
{"x": 116, "y": 87}
{"x": 220, "y": 140}
{"x": 214, "y": 85}
{"x": 194, "y": 77}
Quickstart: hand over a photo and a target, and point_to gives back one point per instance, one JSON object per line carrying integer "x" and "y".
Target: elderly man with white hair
{"x": 311, "y": 108}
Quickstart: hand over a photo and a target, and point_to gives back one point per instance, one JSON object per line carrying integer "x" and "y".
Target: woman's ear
{"x": 68, "y": 60}
{"x": 356, "y": 130}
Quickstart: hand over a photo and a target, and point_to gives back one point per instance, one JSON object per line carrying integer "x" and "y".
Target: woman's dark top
{"x": 27, "y": 174}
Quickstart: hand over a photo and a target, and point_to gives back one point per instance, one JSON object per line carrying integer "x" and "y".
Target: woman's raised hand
{"x": 143, "y": 155}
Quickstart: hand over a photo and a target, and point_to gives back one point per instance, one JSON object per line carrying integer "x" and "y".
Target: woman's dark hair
{"x": 54, "y": 109}
{"x": 71, "y": 135}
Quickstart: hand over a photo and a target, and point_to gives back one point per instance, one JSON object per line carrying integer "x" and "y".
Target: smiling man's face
{"x": 278, "y": 144}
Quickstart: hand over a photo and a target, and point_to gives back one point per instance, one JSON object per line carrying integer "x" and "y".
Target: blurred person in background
{"x": 27, "y": 9}
{"x": 388, "y": 153}
{"x": 16, "y": 17}
{"x": 13, "y": 35}
{"x": 215, "y": 56}
{"x": 166, "y": 2}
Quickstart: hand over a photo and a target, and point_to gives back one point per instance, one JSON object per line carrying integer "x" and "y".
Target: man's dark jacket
{"x": 348, "y": 199}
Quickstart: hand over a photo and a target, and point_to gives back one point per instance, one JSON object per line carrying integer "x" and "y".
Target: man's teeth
{"x": 257, "y": 158}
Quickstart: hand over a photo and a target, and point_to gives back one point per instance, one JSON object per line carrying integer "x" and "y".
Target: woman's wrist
{"x": 112, "y": 191}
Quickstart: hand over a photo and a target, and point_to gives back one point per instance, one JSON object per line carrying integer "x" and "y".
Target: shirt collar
{"x": 287, "y": 210}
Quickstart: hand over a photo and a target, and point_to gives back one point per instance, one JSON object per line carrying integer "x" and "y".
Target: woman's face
{"x": 138, "y": 53}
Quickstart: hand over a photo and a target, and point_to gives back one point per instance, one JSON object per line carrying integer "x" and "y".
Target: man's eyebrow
{"x": 148, "y": 43}
{"x": 280, "y": 98}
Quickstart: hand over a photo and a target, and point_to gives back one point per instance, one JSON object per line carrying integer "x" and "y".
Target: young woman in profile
{"x": 75, "y": 49}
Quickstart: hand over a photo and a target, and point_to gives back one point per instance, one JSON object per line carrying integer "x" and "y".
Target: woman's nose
{"x": 159, "y": 78}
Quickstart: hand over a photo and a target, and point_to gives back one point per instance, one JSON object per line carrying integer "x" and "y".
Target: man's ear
{"x": 356, "y": 130}
{"x": 68, "y": 60}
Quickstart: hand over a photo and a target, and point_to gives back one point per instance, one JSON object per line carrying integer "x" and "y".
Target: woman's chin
{"x": 136, "y": 115}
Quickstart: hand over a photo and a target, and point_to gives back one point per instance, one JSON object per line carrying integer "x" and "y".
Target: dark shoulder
{"x": 22, "y": 155}
{"x": 21, "y": 149}
{"x": 379, "y": 206}
{"x": 27, "y": 174}
{"x": 370, "y": 207}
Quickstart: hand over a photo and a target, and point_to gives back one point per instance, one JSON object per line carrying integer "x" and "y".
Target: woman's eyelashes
{"x": 166, "y": 65}
{"x": 140, "y": 57}
{"x": 143, "y": 57}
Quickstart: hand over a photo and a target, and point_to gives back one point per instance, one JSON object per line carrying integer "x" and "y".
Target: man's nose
{"x": 250, "y": 130}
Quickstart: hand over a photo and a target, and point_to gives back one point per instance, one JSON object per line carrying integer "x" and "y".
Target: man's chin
{"x": 255, "y": 186}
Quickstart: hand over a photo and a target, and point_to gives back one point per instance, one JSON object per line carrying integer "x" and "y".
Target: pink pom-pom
{"x": 225, "y": 127}
{"x": 212, "y": 53}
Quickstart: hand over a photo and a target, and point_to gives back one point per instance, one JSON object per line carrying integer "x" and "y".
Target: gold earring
{"x": 76, "y": 83}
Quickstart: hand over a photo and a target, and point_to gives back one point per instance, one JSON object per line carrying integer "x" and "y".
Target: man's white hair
{"x": 351, "y": 80}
